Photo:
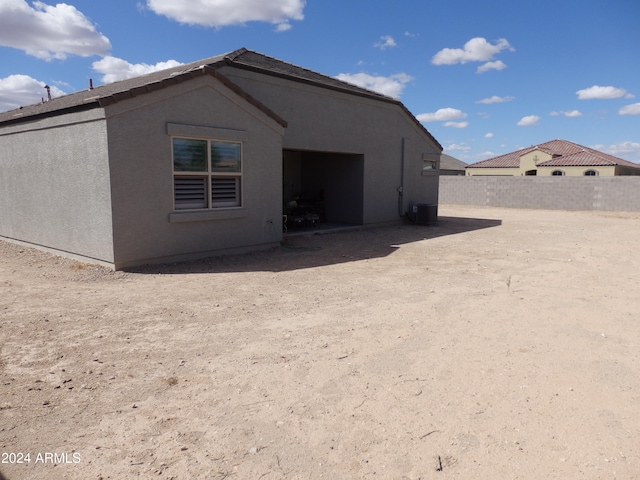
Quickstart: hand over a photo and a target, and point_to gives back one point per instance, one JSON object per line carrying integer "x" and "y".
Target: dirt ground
{"x": 499, "y": 344}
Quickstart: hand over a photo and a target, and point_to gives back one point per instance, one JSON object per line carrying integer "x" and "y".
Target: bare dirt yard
{"x": 499, "y": 344}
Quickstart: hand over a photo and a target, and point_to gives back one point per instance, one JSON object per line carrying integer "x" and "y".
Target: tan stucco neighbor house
{"x": 202, "y": 159}
{"x": 554, "y": 158}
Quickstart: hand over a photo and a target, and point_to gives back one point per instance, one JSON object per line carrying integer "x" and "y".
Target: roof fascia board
{"x": 176, "y": 79}
{"x": 243, "y": 94}
{"x": 53, "y": 113}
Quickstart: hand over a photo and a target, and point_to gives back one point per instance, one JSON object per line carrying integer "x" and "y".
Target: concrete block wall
{"x": 549, "y": 193}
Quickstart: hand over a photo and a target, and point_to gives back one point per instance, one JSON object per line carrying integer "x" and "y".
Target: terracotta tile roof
{"x": 580, "y": 159}
{"x": 564, "y": 154}
{"x": 104, "y": 95}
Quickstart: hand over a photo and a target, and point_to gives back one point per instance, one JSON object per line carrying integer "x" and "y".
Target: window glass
{"x": 189, "y": 155}
{"x": 429, "y": 165}
{"x": 206, "y": 174}
{"x": 225, "y": 157}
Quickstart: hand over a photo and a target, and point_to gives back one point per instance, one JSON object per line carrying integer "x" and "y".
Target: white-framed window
{"x": 206, "y": 173}
{"x": 557, "y": 173}
{"x": 591, "y": 173}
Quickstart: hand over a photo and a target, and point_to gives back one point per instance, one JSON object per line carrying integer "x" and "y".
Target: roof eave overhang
{"x": 488, "y": 166}
{"x": 53, "y": 113}
{"x": 204, "y": 70}
{"x": 107, "y": 100}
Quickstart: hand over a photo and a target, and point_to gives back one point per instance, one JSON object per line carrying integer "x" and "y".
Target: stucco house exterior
{"x": 199, "y": 160}
{"x": 554, "y": 158}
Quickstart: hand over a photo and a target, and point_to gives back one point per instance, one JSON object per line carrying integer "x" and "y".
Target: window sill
{"x": 204, "y": 215}
{"x": 429, "y": 173}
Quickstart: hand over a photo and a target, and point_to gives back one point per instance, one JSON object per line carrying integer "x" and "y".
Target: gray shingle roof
{"x": 109, "y": 93}
{"x": 447, "y": 162}
{"x": 104, "y": 95}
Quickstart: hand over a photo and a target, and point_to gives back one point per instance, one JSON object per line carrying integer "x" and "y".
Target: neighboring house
{"x": 199, "y": 160}
{"x": 451, "y": 166}
{"x": 555, "y": 158}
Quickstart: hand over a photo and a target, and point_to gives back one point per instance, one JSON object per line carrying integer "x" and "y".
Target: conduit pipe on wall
{"x": 401, "y": 212}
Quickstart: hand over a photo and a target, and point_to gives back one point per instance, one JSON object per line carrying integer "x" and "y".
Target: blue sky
{"x": 485, "y": 78}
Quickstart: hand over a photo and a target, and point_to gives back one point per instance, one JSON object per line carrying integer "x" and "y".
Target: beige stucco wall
{"x": 146, "y": 229}
{"x": 603, "y": 171}
{"x": 54, "y": 187}
{"x": 529, "y": 161}
{"x": 622, "y": 170}
{"x": 99, "y": 184}
{"x": 330, "y": 121}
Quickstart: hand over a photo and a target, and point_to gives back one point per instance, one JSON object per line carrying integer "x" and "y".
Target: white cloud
{"x": 454, "y": 147}
{"x": 495, "y": 99}
{"x": 602, "y": 93}
{"x": 48, "y": 32}
{"x": 497, "y": 65}
{"x": 488, "y": 135}
{"x": 220, "y": 13}
{"x": 484, "y": 155}
{"x": 442, "y": 115}
{"x": 114, "y": 69}
{"x": 385, "y": 42}
{"x": 391, "y": 86}
{"x": 570, "y": 114}
{"x": 633, "y": 109}
{"x": 626, "y": 150}
{"x": 456, "y": 124}
{"x": 22, "y": 90}
{"x": 283, "y": 27}
{"x": 529, "y": 121}
{"x": 475, "y": 50}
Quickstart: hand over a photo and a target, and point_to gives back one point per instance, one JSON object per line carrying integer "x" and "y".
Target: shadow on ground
{"x": 325, "y": 248}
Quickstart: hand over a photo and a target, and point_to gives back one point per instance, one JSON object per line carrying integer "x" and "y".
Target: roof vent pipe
{"x": 48, "y": 88}
{"x": 91, "y": 84}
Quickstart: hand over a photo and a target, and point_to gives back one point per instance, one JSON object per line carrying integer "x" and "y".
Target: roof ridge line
{"x": 231, "y": 56}
{"x": 307, "y": 69}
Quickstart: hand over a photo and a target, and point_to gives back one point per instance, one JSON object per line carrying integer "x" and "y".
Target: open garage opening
{"x": 322, "y": 189}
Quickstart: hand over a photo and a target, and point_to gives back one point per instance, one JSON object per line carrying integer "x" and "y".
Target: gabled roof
{"x": 447, "y": 162}
{"x": 111, "y": 93}
{"x": 564, "y": 153}
{"x": 248, "y": 60}
{"x": 104, "y": 95}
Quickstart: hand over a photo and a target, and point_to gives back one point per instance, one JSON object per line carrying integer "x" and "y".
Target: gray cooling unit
{"x": 424, "y": 214}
